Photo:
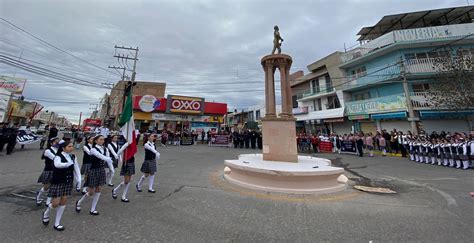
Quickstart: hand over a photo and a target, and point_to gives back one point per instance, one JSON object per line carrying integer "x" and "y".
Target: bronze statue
{"x": 276, "y": 40}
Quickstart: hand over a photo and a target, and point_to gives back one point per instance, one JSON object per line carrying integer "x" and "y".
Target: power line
{"x": 53, "y": 46}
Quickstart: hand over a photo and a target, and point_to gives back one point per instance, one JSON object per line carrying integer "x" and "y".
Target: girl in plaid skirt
{"x": 96, "y": 176}
{"x": 86, "y": 161}
{"x": 64, "y": 172}
{"x": 149, "y": 165}
{"x": 116, "y": 155}
{"x": 47, "y": 174}
{"x": 128, "y": 169}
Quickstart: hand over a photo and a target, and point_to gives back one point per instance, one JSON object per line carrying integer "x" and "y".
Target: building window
{"x": 250, "y": 116}
{"x": 362, "y": 96}
{"x": 360, "y": 71}
{"x": 328, "y": 83}
{"x": 257, "y": 115}
{"x": 317, "y": 105}
{"x": 333, "y": 102}
{"x": 315, "y": 86}
{"x": 420, "y": 87}
{"x": 294, "y": 98}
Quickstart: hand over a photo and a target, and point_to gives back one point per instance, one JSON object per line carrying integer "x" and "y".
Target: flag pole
{"x": 130, "y": 85}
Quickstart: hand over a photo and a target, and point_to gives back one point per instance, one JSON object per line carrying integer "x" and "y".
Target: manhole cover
{"x": 375, "y": 189}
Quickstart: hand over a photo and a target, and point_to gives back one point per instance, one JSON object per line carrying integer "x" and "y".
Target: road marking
{"x": 449, "y": 199}
{"x": 19, "y": 195}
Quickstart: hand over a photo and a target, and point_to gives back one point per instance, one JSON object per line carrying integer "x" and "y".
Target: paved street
{"x": 194, "y": 204}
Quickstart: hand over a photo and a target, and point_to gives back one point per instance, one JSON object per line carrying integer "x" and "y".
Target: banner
{"x": 325, "y": 147}
{"x": 220, "y": 140}
{"x": 348, "y": 147}
{"x": 27, "y": 138}
{"x": 14, "y": 85}
{"x": 377, "y": 105}
{"x": 187, "y": 141}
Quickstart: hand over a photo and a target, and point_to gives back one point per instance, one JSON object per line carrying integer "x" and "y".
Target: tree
{"x": 453, "y": 86}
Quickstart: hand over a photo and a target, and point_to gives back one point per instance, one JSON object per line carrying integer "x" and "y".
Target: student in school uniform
{"x": 116, "y": 154}
{"x": 65, "y": 170}
{"x": 86, "y": 161}
{"x": 149, "y": 165}
{"x": 127, "y": 170}
{"x": 462, "y": 155}
{"x": 451, "y": 147}
{"x": 47, "y": 174}
{"x": 96, "y": 176}
{"x": 470, "y": 149}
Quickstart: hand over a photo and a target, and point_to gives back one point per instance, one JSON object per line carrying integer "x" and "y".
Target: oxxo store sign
{"x": 185, "y": 105}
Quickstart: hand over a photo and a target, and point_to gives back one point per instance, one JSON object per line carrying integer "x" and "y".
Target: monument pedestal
{"x": 279, "y": 139}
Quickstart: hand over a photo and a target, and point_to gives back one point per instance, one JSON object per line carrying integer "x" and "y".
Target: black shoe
{"x": 78, "y": 208}
{"x": 59, "y": 228}
{"x": 95, "y": 213}
{"x": 44, "y": 219}
{"x": 125, "y": 200}
{"x": 138, "y": 189}
{"x": 111, "y": 185}
{"x": 114, "y": 196}
{"x": 151, "y": 191}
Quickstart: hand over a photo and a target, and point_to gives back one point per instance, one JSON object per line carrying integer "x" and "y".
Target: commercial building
{"x": 4, "y": 98}
{"x": 407, "y": 46}
{"x": 111, "y": 105}
{"x": 178, "y": 113}
{"x": 318, "y": 102}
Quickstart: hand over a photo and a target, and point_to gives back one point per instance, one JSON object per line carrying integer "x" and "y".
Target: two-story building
{"x": 318, "y": 102}
{"x": 390, "y": 74}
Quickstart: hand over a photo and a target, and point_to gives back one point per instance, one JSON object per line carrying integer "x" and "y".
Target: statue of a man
{"x": 277, "y": 40}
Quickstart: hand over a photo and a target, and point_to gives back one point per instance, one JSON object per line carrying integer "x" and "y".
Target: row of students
{"x": 61, "y": 168}
{"x": 455, "y": 152}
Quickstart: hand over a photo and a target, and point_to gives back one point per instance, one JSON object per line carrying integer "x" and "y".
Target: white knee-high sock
{"x": 445, "y": 162}
{"x": 427, "y": 159}
{"x": 38, "y": 197}
{"x": 151, "y": 181}
{"x": 48, "y": 210}
{"x": 465, "y": 164}
{"x": 416, "y": 157}
{"x": 433, "y": 160}
{"x": 59, "y": 214}
{"x": 439, "y": 161}
{"x": 118, "y": 187}
{"x": 111, "y": 176}
{"x": 140, "y": 182}
{"x": 48, "y": 200}
{"x": 451, "y": 162}
{"x": 95, "y": 200}
{"x": 458, "y": 164}
{"x": 125, "y": 191}
{"x": 82, "y": 199}
{"x": 412, "y": 157}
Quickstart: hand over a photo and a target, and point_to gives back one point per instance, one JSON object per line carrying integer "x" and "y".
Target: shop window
{"x": 333, "y": 102}
{"x": 328, "y": 83}
{"x": 360, "y": 71}
{"x": 362, "y": 96}
{"x": 420, "y": 87}
{"x": 294, "y": 99}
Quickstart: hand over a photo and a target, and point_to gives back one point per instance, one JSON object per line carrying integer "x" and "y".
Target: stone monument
{"x": 279, "y": 168}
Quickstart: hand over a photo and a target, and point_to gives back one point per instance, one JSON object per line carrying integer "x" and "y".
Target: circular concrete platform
{"x": 309, "y": 176}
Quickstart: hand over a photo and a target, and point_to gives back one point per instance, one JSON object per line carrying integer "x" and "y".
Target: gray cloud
{"x": 182, "y": 42}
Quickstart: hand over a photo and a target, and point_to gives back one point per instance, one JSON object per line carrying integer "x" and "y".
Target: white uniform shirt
{"x": 60, "y": 165}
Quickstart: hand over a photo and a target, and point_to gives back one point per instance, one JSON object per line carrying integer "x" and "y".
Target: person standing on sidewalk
{"x": 62, "y": 182}
{"x": 12, "y": 134}
{"x": 149, "y": 166}
{"x": 382, "y": 144}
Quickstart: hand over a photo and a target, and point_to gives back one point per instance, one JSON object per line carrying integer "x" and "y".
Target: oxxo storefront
{"x": 178, "y": 113}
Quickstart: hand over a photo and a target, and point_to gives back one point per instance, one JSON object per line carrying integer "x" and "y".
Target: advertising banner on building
{"x": 14, "y": 85}
{"x": 185, "y": 105}
{"x": 148, "y": 103}
{"x": 300, "y": 110}
{"x": 382, "y": 104}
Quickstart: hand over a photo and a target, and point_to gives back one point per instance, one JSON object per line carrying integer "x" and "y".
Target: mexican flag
{"x": 127, "y": 127}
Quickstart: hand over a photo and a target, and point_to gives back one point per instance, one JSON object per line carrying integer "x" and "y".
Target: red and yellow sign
{"x": 184, "y": 104}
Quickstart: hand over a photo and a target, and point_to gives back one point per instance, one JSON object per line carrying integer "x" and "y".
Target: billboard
{"x": 185, "y": 105}
{"x": 14, "y": 85}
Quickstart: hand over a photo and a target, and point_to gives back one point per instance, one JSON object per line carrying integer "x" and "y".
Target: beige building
{"x": 116, "y": 98}
{"x": 318, "y": 102}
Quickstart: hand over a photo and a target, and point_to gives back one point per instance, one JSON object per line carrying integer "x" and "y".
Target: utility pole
{"x": 411, "y": 113}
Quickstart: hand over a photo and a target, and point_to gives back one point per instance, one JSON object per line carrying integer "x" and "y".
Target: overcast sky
{"x": 187, "y": 44}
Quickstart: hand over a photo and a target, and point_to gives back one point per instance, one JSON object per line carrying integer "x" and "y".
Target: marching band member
{"x": 47, "y": 174}
{"x": 86, "y": 160}
{"x": 149, "y": 165}
{"x": 96, "y": 176}
{"x": 62, "y": 182}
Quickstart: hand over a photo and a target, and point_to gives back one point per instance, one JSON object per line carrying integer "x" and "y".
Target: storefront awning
{"x": 391, "y": 115}
{"x": 444, "y": 114}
